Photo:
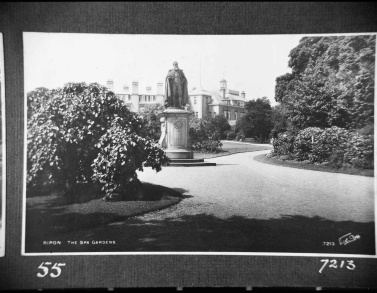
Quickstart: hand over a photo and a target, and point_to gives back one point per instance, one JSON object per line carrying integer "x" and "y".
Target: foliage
{"x": 35, "y": 99}
{"x": 69, "y": 126}
{"x": 218, "y": 124}
{"x": 226, "y": 132}
{"x": 331, "y": 84}
{"x": 151, "y": 115}
{"x": 240, "y": 136}
{"x": 279, "y": 119}
{"x": 257, "y": 119}
{"x": 207, "y": 146}
{"x": 231, "y": 135}
{"x": 283, "y": 144}
{"x": 338, "y": 146}
{"x": 204, "y": 135}
{"x": 122, "y": 152}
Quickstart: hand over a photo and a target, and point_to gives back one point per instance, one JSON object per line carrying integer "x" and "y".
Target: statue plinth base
{"x": 177, "y": 133}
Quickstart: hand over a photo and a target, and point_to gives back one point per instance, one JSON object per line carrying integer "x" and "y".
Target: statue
{"x": 176, "y": 93}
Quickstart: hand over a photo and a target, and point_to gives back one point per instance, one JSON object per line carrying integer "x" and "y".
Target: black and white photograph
{"x": 2, "y": 151}
{"x": 198, "y": 144}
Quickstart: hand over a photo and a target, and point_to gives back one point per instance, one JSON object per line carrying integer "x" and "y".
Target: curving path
{"x": 242, "y": 205}
{"x": 252, "y": 198}
{"x": 241, "y": 186}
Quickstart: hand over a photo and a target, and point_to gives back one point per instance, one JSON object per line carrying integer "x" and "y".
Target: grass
{"x": 295, "y": 164}
{"x": 53, "y": 215}
{"x": 230, "y": 148}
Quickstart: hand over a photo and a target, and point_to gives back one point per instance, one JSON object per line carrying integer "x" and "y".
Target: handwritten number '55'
{"x": 45, "y": 269}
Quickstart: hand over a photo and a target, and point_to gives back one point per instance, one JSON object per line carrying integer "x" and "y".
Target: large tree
{"x": 331, "y": 84}
{"x": 257, "y": 119}
{"x": 279, "y": 119}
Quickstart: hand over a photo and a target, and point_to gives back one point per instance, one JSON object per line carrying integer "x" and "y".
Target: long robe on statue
{"x": 169, "y": 99}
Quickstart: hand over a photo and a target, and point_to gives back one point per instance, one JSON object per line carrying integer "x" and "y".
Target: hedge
{"x": 338, "y": 146}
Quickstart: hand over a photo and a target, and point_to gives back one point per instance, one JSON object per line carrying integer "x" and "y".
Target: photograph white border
{"x": 325, "y": 255}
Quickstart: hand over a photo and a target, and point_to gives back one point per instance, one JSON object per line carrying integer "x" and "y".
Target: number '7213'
{"x": 333, "y": 264}
{"x": 55, "y": 270}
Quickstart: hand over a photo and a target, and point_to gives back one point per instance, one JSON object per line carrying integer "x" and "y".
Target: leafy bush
{"x": 226, "y": 132}
{"x": 283, "y": 144}
{"x": 217, "y": 124}
{"x": 240, "y": 136}
{"x": 305, "y": 149}
{"x": 122, "y": 152}
{"x": 204, "y": 137}
{"x": 357, "y": 151}
{"x": 69, "y": 130}
{"x": 231, "y": 135}
{"x": 207, "y": 146}
{"x": 337, "y": 146}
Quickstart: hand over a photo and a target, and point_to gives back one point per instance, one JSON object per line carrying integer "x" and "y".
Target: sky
{"x": 248, "y": 63}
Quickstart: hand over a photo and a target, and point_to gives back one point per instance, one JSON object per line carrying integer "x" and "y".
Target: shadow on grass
{"x": 52, "y": 215}
{"x": 207, "y": 233}
{"x": 88, "y": 192}
{"x": 182, "y": 192}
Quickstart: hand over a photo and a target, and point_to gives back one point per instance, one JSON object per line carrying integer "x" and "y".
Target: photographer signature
{"x": 348, "y": 238}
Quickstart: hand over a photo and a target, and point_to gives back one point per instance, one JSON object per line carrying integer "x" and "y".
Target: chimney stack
{"x": 126, "y": 88}
{"x": 243, "y": 95}
{"x": 110, "y": 84}
{"x": 159, "y": 88}
{"x": 135, "y": 88}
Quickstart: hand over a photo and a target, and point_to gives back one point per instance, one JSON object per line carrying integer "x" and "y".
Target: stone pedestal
{"x": 177, "y": 134}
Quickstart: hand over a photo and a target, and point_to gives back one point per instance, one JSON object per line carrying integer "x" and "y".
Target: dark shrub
{"x": 231, "y": 135}
{"x": 283, "y": 145}
{"x": 337, "y": 146}
{"x": 84, "y": 133}
{"x": 204, "y": 136}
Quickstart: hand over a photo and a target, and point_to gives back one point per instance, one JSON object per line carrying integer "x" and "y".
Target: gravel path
{"x": 241, "y": 186}
{"x": 242, "y": 205}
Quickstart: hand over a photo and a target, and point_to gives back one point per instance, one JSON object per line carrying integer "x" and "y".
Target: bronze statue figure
{"x": 176, "y": 93}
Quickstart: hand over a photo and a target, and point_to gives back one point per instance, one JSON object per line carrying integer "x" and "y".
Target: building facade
{"x": 227, "y": 102}
{"x": 137, "y": 99}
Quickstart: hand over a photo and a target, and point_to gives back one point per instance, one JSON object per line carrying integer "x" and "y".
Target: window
{"x": 194, "y": 100}
{"x": 227, "y": 114}
{"x": 214, "y": 114}
{"x": 236, "y": 115}
{"x": 139, "y": 98}
{"x": 154, "y": 98}
{"x": 149, "y": 98}
{"x": 196, "y": 114}
{"x": 129, "y": 97}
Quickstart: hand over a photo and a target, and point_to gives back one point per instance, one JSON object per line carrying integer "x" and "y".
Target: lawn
{"x": 322, "y": 168}
{"x": 230, "y": 147}
{"x": 52, "y": 216}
